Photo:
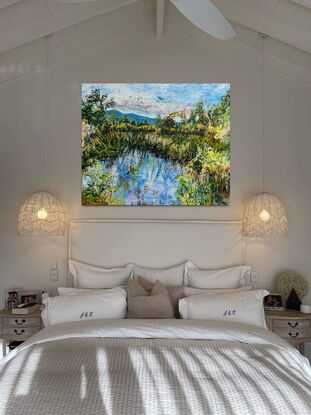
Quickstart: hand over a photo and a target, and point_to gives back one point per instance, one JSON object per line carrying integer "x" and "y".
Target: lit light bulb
{"x": 264, "y": 215}
{"x": 42, "y": 214}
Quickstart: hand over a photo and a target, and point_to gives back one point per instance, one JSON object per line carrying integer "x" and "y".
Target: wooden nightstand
{"x": 293, "y": 326}
{"x": 14, "y": 327}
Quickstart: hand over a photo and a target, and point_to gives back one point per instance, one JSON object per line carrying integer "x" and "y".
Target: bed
{"x": 169, "y": 366}
{"x": 155, "y": 367}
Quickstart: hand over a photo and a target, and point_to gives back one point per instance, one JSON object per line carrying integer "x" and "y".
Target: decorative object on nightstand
{"x": 23, "y": 302}
{"x": 18, "y": 328}
{"x": 24, "y": 309}
{"x": 293, "y": 326}
{"x": 293, "y": 287}
{"x": 289, "y": 280}
{"x": 293, "y": 302}
{"x": 305, "y": 308}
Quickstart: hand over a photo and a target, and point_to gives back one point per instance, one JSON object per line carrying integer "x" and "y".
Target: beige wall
{"x": 138, "y": 56}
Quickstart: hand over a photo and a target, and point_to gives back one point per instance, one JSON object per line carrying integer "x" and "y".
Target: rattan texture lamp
{"x": 264, "y": 214}
{"x": 42, "y": 214}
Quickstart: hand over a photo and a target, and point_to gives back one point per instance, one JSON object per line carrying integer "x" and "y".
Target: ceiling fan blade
{"x": 206, "y": 16}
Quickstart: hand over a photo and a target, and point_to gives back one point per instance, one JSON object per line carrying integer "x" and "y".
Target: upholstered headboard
{"x": 156, "y": 243}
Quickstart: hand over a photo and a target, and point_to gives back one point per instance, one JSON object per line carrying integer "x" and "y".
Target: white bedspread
{"x": 154, "y": 367}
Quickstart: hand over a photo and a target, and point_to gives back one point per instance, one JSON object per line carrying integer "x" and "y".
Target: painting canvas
{"x": 156, "y": 144}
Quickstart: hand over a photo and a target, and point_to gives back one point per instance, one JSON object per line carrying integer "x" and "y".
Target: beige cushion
{"x": 175, "y": 293}
{"x": 144, "y": 304}
{"x": 168, "y": 276}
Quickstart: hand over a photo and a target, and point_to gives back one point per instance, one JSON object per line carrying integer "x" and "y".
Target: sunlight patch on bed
{"x": 83, "y": 384}
{"x": 8, "y": 380}
{"x": 158, "y": 378}
{"x": 24, "y": 382}
{"x": 104, "y": 379}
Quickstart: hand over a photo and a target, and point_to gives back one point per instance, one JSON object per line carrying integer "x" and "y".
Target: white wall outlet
{"x": 254, "y": 276}
{"x": 54, "y": 271}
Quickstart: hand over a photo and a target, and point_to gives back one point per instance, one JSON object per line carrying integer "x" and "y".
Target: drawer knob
{"x": 20, "y": 322}
{"x": 293, "y": 325}
{"x": 293, "y": 335}
{"x": 19, "y": 333}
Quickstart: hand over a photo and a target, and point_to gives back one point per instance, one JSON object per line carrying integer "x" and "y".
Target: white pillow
{"x": 87, "y": 276}
{"x": 167, "y": 276}
{"x": 188, "y": 291}
{"x": 78, "y": 291}
{"x": 233, "y": 277}
{"x": 241, "y": 307}
{"x": 105, "y": 304}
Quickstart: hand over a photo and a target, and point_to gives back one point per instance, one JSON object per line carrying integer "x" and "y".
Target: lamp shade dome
{"x": 264, "y": 215}
{"x": 41, "y": 215}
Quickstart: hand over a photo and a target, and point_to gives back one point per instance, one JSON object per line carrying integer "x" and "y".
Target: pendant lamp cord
{"x": 263, "y": 37}
{"x": 46, "y": 109}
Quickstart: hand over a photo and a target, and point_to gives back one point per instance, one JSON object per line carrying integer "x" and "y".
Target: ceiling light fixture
{"x": 264, "y": 214}
{"x": 42, "y": 214}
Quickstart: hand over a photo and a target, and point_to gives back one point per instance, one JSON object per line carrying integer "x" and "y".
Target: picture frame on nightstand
{"x": 273, "y": 302}
{"x": 12, "y": 296}
{"x": 29, "y": 297}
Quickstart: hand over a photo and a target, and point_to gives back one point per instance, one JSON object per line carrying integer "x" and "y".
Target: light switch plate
{"x": 254, "y": 276}
{"x": 54, "y": 275}
{"x": 54, "y": 265}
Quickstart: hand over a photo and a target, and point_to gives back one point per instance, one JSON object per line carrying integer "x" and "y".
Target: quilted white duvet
{"x": 154, "y": 367}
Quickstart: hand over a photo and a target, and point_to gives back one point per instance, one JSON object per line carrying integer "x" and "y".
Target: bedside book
{"x": 26, "y": 309}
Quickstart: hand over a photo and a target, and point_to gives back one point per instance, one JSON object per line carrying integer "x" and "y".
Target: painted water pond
{"x": 141, "y": 179}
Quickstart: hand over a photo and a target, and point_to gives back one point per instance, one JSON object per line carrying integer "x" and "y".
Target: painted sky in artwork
{"x": 149, "y": 100}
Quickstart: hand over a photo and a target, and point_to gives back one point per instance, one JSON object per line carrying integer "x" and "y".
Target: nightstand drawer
{"x": 279, "y": 324}
{"x": 21, "y": 321}
{"x": 19, "y": 332}
{"x": 294, "y": 333}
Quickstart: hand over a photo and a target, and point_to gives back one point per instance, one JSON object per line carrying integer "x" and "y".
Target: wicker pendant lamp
{"x": 42, "y": 214}
{"x": 264, "y": 214}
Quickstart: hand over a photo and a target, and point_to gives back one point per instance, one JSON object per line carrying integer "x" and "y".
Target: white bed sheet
{"x": 155, "y": 367}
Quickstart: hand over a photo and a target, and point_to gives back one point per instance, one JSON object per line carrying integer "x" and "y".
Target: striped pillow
{"x": 106, "y": 304}
{"x": 240, "y": 307}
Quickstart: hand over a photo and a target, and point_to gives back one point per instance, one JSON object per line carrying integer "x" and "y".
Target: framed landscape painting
{"x": 156, "y": 144}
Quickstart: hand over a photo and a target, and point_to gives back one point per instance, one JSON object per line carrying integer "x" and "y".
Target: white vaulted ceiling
{"x": 285, "y": 20}
{"x": 25, "y": 23}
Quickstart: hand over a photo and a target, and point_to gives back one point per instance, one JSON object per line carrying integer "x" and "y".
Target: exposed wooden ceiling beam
{"x": 60, "y": 21}
{"x": 265, "y": 24}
